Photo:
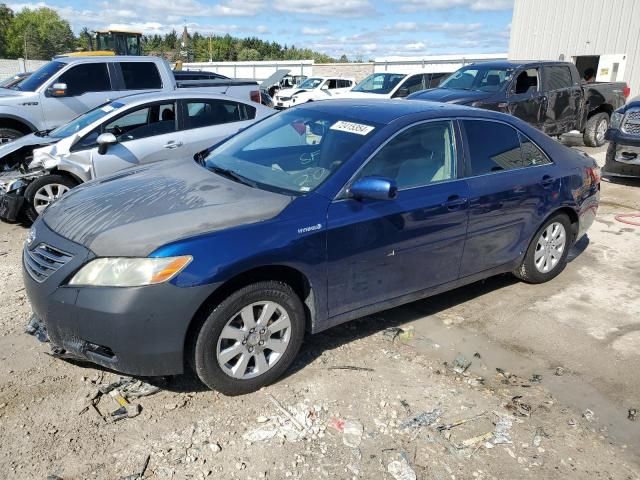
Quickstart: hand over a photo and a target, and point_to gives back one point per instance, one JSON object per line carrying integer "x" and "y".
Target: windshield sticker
{"x": 351, "y": 127}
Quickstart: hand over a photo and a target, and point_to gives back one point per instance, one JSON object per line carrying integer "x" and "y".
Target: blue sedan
{"x": 310, "y": 218}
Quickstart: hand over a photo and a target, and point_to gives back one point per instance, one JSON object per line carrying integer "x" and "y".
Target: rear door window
{"x": 557, "y": 78}
{"x": 87, "y": 77}
{"x": 205, "y": 113}
{"x": 143, "y": 122}
{"x": 493, "y": 147}
{"x": 140, "y": 76}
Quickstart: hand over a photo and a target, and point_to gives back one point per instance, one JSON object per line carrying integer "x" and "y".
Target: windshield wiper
{"x": 232, "y": 175}
{"x": 42, "y": 133}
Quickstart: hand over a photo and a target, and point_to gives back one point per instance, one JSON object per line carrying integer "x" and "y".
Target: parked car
{"x": 127, "y": 132}
{"x": 623, "y": 153}
{"x": 311, "y": 90}
{"x": 281, "y": 79}
{"x": 393, "y": 85}
{"x": 67, "y": 87}
{"x": 315, "y": 216}
{"x": 551, "y": 96}
{"x": 14, "y": 79}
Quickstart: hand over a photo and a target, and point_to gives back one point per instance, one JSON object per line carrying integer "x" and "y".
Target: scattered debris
{"x": 632, "y": 414}
{"x": 392, "y": 333}
{"x": 537, "y": 436}
{"x": 449, "y": 426}
{"x": 401, "y": 470}
{"x": 424, "y": 419}
{"x": 501, "y": 433}
{"x": 351, "y": 367}
{"x": 477, "y": 355}
{"x": 518, "y": 407}
{"x": 293, "y": 424}
{"x": 470, "y": 442}
{"x": 337, "y": 424}
{"x": 37, "y": 329}
{"x": 460, "y": 364}
{"x": 589, "y": 415}
{"x": 559, "y": 371}
{"x": 352, "y": 433}
{"x": 535, "y": 378}
{"x": 133, "y": 388}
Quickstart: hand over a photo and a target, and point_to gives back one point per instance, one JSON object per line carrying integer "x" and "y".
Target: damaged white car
{"x": 138, "y": 129}
{"x": 313, "y": 89}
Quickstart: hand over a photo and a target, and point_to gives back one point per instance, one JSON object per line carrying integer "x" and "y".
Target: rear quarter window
{"x": 557, "y": 78}
{"x": 140, "y": 75}
{"x": 493, "y": 147}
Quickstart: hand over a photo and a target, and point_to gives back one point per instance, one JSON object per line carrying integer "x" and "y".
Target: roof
{"x": 385, "y": 111}
{"x": 109, "y": 58}
{"x": 161, "y": 95}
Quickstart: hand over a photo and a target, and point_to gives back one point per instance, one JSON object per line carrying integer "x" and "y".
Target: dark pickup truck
{"x": 549, "y": 95}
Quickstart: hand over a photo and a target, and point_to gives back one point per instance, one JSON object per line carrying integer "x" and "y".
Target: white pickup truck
{"x": 70, "y": 86}
{"x": 312, "y": 90}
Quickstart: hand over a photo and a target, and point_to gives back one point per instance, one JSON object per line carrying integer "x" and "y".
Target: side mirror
{"x": 402, "y": 92}
{"x": 375, "y": 188}
{"x": 324, "y": 87}
{"x": 57, "y": 90}
{"x": 104, "y": 140}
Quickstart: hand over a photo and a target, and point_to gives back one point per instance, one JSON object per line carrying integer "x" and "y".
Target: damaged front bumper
{"x": 12, "y": 193}
{"x": 622, "y": 161}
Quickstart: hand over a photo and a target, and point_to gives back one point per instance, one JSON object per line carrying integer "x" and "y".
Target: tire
{"x": 238, "y": 343}
{"x": 528, "y": 271}
{"x": 594, "y": 131}
{"x": 9, "y": 134}
{"x": 34, "y": 206}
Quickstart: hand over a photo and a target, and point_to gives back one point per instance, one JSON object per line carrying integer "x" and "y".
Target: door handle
{"x": 172, "y": 144}
{"x": 455, "y": 201}
{"x": 547, "y": 181}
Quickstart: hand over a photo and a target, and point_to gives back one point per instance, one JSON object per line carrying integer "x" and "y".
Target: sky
{"x": 361, "y": 29}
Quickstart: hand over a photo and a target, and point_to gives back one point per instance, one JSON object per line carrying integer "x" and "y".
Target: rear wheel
{"x": 45, "y": 190}
{"x": 9, "y": 134}
{"x": 250, "y": 339}
{"x": 596, "y": 128}
{"x": 547, "y": 254}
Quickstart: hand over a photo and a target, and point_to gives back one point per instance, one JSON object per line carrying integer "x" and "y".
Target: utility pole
{"x": 210, "y": 56}
{"x": 25, "y": 46}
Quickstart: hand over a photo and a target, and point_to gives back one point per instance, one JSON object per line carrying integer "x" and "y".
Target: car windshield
{"x": 84, "y": 120}
{"x": 483, "y": 79}
{"x": 292, "y": 152}
{"x": 381, "y": 83}
{"x": 311, "y": 83}
{"x": 37, "y": 78}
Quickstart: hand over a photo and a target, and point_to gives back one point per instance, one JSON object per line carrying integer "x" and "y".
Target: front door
{"x": 381, "y": 249}
{"x": 564, "y": 94}
{"x": 88, "y": 85}
{"x": 146, "y": 134}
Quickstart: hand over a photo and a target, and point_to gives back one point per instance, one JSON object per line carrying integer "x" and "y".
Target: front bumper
{"x": 137, "y": 331}
{"x": 622, "y": 161}
{"x": 11, "y": 205}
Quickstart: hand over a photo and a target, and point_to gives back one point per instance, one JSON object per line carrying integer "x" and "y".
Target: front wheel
{"x": 547, "y": 254}
{"x": 43, "y": 191}
{"x": 595, "y": 129}
{"x": 250, "y": 339}
{"x": 9, "y": 135}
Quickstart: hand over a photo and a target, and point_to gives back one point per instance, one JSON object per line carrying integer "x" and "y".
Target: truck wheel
{"x": 250, "y": 339}
{"x": 45, "y": 190}
{"x": 596, "y": 128}
{"x": 547, "y": 254}
{"x": 9, "y": 134}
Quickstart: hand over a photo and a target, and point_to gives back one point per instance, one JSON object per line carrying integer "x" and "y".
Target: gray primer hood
{"x": 138, "y": 210}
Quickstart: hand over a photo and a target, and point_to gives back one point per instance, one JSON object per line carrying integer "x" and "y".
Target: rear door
{"x": 88, "y": 85}
{"x": 381, "y": 249}
{"x": 511, "y": 187}
{"x": 206, "y": 122}
{"x": 145, "y": 134}
{"x": 564, "y": 96}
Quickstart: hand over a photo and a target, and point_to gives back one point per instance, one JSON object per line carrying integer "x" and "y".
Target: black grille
{"x": 631, "y": 123}
{"x": 44, "y": 260}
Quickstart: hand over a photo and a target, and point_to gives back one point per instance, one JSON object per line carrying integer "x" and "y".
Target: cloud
{"x": 315, "y": 31}
{"x": 351, "y": 8}
{"x": 476, "y": 5}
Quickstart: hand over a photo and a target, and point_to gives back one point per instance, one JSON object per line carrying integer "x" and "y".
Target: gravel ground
{"x": 385, "y": 396}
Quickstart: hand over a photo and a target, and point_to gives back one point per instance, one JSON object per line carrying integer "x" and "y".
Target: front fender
{"x": 29, "y": 115}
{"x": 48, "y": 160}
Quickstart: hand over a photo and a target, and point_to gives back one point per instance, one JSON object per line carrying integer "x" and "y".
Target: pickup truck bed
{"x": 549, "y": 95}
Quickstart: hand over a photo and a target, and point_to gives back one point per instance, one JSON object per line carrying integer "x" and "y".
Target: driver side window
{"x": 526, "y": 82}
{"x": 421, "y": 155}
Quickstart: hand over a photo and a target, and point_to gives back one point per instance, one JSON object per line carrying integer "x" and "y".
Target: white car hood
{"x": 289, "y": 92}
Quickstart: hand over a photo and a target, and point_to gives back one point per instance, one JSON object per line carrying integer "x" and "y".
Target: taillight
{"x": 626, "y": 91}
{"x": 255, "y": 96}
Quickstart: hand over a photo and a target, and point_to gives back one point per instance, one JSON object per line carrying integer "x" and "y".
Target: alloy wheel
{"x": 47, "y": 194}
{"x": 254, "y": 340}
{"x": 603, "y": 125}
{"x": 550, "y": 247}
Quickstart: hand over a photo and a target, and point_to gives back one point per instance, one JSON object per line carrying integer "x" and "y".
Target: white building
{"x": 603, "y": 35}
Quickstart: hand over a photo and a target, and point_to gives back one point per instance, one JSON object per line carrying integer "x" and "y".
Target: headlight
{"x": 616, "y": 120}
{"x": 129, "y": 272}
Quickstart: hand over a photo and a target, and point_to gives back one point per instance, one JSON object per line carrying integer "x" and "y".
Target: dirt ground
{"x": 553, "y": 379}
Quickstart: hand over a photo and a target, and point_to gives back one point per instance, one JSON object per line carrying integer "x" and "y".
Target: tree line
{"x": 41, "y": 34}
